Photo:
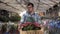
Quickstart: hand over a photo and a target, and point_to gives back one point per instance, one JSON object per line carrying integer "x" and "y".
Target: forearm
{"x": 20, "y": 25}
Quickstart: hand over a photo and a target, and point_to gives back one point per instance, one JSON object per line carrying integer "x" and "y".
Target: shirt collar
{"x": 30, "y": 14}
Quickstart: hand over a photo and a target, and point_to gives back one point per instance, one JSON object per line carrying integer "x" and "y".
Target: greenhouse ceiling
{"x": 20, "y": 5}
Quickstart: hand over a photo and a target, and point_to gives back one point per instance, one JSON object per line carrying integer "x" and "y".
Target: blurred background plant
{"x": 4, "y": 19}
{"x": 4, "y": 28}
{"x": 15, "y": 18}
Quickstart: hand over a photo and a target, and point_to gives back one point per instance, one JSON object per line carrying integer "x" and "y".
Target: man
{"x": 30, "y": 13}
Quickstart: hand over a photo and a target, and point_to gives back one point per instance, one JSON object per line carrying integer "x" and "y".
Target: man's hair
{"x": 30, "y": 4}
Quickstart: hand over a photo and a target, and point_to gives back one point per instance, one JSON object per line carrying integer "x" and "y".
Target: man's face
{"x": 30, "y": 8}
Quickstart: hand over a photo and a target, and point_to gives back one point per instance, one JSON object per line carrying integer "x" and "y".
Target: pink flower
{"x": 29, "y": 23}
{"x": 26, "y": 24}
{"x": 36, "y": 24}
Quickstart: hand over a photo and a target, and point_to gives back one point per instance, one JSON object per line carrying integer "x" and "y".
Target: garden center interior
{"x": 11, "y": 12}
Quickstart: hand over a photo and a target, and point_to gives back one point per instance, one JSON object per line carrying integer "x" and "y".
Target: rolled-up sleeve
{"x": 22, "y": 19}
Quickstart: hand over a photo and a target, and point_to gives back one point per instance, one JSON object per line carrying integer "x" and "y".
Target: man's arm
{"x": 39, "y": 19}
{"x": 21, "y": 21}
{"x": 40, "y": 22}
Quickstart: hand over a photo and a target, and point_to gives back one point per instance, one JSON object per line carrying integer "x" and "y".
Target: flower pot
{"x": 32, "y": 31}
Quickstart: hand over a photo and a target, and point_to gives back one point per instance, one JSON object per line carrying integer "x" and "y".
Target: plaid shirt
{"x": 34, "y": 15}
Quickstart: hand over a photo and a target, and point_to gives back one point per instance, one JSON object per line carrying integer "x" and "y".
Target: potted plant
{"x": 12, "y": 29}
{"x": 15, "y": 18}
{"x": 16, "y": 29}
{"x": 31, "y": 28}
{"x": 4, "y": 19}
{"x": 4, "y": 28}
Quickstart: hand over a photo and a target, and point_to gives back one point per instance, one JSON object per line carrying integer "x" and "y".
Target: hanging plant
{"x": 4, "y": 19}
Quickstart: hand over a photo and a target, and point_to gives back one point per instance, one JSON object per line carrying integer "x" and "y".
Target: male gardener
{"x": 30, "y": 13}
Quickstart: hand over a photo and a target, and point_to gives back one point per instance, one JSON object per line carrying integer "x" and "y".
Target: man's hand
{"x": 42, "y": 26}
{"x": 19, "y": 27}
